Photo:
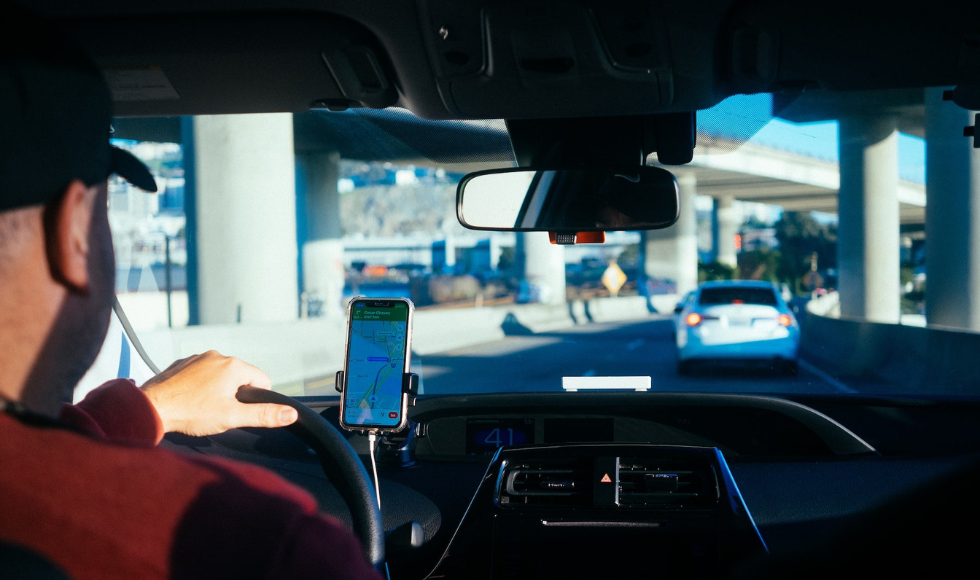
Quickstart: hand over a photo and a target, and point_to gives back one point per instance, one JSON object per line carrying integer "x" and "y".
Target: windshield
{"x": 732, "y": 295}
{"x": 268, "y": 225}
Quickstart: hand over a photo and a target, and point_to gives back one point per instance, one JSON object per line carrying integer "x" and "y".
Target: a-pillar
{"x": 672, "y": 253}
{"x": 245, "y": 218}
{"x": 543, "y": 266}
{"x": 868, "y": 233}
{"x": 952, "y": 217}
{"x": 322, "y": 248}
{"x": 729, "y": 220}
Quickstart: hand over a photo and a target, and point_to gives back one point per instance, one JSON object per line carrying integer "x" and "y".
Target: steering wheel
{"x": 340, "y": 464}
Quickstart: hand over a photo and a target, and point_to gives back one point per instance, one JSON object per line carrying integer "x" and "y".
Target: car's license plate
{"x": 739, "y": 322}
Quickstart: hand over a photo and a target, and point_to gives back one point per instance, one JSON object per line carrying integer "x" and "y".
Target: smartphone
{"x": 378, "y": 355}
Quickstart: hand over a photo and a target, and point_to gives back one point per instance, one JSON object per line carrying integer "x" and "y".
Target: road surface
{"x": 538, "y": 362}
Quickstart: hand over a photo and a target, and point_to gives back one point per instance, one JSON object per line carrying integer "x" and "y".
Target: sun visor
{"x": 220, "y": 64}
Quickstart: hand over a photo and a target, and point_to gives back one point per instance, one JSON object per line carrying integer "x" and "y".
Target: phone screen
{"x": 376, "y": 362}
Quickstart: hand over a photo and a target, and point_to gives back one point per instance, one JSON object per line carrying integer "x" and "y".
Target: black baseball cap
{"x": 55, "y": 116}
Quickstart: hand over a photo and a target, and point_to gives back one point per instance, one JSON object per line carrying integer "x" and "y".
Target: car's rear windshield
{"x": 712, "y": 296}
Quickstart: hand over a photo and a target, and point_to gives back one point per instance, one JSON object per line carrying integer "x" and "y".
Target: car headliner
{"x": 265, "y": 55}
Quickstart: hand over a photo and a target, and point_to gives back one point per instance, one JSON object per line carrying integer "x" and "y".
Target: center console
{"x": 587, "y": 511}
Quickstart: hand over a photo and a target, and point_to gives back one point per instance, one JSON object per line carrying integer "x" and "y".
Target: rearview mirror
{"x": 581, "y": 200}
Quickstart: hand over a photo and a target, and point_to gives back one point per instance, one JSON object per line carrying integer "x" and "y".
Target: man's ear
{"x": 67, "y": 225}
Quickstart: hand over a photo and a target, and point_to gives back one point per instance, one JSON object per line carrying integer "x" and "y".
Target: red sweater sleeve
{"x": 119, "y": 411}
{"x": 242, "y": 520}
{"x": 250, "y": 520}
{"x": 319, "y": 548}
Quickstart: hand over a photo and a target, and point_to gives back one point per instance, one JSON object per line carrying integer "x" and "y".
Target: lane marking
{"x": 826, "y": 377}
{"x": 635, "y": 344}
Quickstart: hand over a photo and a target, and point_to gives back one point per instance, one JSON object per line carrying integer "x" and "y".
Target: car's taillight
{"x": 785, "y": 320}
{"x": 693, "y": 319}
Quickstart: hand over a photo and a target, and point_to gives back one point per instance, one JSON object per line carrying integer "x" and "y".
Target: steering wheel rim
{"x": 340, "y": 464}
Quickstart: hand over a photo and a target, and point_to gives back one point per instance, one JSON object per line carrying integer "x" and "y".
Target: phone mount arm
{"x": 410, "y": 385}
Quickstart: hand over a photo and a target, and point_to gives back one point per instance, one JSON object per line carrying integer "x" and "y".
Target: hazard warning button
{"x": 607, "y": 475}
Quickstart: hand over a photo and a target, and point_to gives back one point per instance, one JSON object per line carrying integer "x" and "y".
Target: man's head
{"x": 56, "y": 261}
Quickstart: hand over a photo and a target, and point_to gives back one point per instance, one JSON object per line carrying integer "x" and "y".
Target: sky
{"x": 742, "y": 116}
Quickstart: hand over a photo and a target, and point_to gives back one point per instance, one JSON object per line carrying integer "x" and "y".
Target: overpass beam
{"x": 672, "y": 253}
{"x": 543, "y": 266}
{"x": 728, "y": 220}
{"x": 952, "y": 217}
{"x": 245, "y": 219}
{"x": 868, "y": 238}
{"x": 322, "y": 248}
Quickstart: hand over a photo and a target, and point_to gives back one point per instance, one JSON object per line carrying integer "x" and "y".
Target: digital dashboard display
{"x": 486, "y": 436}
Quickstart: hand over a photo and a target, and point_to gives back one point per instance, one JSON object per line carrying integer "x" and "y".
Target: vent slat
{"x": 666, "y": 483}
{"x": 644, "y": 483}
{"x": 546, "y": 484}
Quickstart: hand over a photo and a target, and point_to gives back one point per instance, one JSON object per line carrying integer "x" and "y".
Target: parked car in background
{"x": 737, "y": 321}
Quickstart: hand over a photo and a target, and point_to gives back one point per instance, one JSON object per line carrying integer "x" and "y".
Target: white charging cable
{"x": 372, "y": 446}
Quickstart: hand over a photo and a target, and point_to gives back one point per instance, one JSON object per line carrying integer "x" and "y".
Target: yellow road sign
{"x": 613, "y": 278}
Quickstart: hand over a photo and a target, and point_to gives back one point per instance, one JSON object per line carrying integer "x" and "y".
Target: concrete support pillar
{"x": 323, "y": 250}
{"x": 543, "y": 264}
{"x": 486, "y": 254}
{"x": 868, "y": 242}
{"x": 443, "y": 256}
{"x": 729, "y": 221}
{"x": 952, "y": 217}
{"x": 493, "y": 251}
{"x": 672, "y": 253}
{"x": 245, "y": 218}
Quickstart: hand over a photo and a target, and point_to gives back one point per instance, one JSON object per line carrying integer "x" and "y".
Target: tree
{"x": 761, "y": 264}
{"x": 715, "y": 271}
{"x": 799, "y": 237}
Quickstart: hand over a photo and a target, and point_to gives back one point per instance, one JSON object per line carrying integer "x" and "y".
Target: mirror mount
{"x": 598, "y": 141}
{"x": 572, "y": 238}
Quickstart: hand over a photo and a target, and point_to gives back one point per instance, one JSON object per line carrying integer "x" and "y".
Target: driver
{"x": 85, "y": 486}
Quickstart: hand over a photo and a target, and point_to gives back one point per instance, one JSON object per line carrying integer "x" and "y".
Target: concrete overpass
{"x": 865, "y": 189}
{"x": 296, "y": 158}
{"x": 792, "y": 181}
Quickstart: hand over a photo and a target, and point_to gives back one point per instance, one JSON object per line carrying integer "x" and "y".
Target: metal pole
{"x": 170, "y": 322}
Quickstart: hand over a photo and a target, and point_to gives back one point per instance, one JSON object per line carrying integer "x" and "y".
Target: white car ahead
{"x": 738, "y": 321}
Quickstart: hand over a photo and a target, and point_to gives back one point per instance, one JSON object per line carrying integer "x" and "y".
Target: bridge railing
{"x": 892, "y": 358}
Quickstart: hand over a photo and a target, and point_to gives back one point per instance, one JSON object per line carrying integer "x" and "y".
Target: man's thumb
{"x": 272, "y": 415}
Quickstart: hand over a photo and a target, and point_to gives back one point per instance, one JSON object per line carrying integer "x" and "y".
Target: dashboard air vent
{"x": 547, "y": 483}
{"x": 667, "y": 483}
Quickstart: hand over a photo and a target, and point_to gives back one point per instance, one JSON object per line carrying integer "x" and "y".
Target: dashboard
{"x": 505, "y": 483}
{"x": 450, "y": 428}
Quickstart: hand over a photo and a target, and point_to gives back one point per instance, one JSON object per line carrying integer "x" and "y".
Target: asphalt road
{"x": 538, "y": 362}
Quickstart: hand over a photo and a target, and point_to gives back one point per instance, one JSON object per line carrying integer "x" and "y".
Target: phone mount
{"x": 410, "y": 385}
{"x": 403, "y": 449}
{"x": 397, "y": 449}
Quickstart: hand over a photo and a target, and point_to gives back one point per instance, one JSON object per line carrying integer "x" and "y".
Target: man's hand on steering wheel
{"x": 203, "y": 395}
{"x": 196, "y": 396}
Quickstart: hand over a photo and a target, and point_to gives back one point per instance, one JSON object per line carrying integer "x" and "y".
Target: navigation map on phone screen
{"x": 376, "y": 364}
